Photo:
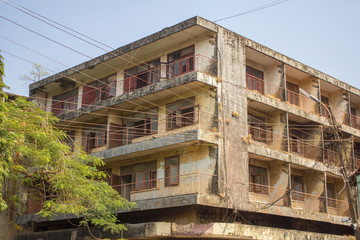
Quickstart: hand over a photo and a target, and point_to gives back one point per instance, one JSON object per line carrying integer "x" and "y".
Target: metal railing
{"x": 166, "y": 71}
{"x": 259, "y": 134}
{"x": 355, "y": 122}
{"x": 262, "y": 86}
{"x": 194, "y": 183}
{"x": 304, "y": 148}
{"x": 65, "y": 105}
{"x": 175, "y": 120}
{"x": 331, "y": 157}
{"x": 306, "y": 201}
{"x": 158, "y": 128}
{"x": 254, "y": 83}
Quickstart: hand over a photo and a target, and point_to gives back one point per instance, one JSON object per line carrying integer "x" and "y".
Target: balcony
{"x": 261, "y": 134}
{"x": 167, "y": 71}
{"x": 263, "y": 87}
{"x": 331, "y": 157}
{"x": 355, "y": 122}
{"x": 148, "y": 129}
{"x": 64, "y": 105}
{"x": 304, "y": 148}
{"x": 99, "y": 90}
{"x": 299, "y": 200}
{"x": 194, "y": 183}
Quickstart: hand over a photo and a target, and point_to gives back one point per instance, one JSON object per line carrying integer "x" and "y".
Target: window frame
{"x": 254, "y": 82}
{"x": 292, "y": 91}
{"x": 104, "y": 87}
{"x": 168, "y": 176}
{"x": 260, "y": 188}
{"x": 331, "y": 201}
{"x": 62, "y": 101}
{"x": 175, "y": 118}
{"x": 297, "y": 195}
{"x": 259, "y": 129}
{"x": 189, "y": 66}
{"x": 132, "y": 81}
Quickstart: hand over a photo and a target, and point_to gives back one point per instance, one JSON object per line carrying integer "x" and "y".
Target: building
{"x": 208, "y": 133}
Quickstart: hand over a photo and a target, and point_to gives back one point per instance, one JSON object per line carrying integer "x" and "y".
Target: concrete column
{"x": 232, "y": 98}
{"x": 80, "y": 94}
{"x": 120, "y": 77}
{"x": 163, "y": 68}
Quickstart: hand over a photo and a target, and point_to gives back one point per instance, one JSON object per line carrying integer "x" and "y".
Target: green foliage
{"x": 34, "y": 156}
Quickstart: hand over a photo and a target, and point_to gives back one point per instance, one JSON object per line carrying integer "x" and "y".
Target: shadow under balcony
{"x": 160, "y": 90}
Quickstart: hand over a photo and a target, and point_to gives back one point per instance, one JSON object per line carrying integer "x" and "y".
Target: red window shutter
{"x": 56, "y": 107}
{"x": 132, "y": 83}
{"x": 127, "y": 85}
{"x": 89, "y": 95}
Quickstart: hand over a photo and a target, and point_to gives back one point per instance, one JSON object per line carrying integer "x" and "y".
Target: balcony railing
{"x": 62, "y": 106}
{"x": 331, "y": 157}
{"x": 175, "y": 120}
{"x": 194, "y": 183}
{"x": 260, "y": 134}
{"x": 356, "y": 161}
{"x": 305, "y": 201}
{"x": 170, "y": 70}
{"x": 263, "y": 87}
{"x": 355, "y": 122}
{"x": 293, "y": 97}
{"x": 258, "y": 188}
{"x": 124, "y": 135}
{"x": 255, "y": 83}
{"x": 304, "y": 148}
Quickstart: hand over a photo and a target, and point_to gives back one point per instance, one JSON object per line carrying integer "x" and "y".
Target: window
{"x": 254, "y": 79}
{"x": 293, "y": 93}
{"x": 258, "y": 180}
{"x": 142, "y": 75}
{"x": 296, "y": 143}
{"x": 180, "y": 114}
{"x": 143, "y": 175}
{"x": 172, "y": 171}
{"x": 297, "y": 186}
{"x": 181, "y": 62}
{"x": 96, "y": 137}
{"x": 99, "y": 90}
{"x": 65, "y": 102}
{"x": 139, "y": 124}
{"x": 355, "y": 123}
{"x": 331, "y": 194}
{"x": 324, "y": 112}
{"x": 259, "y": 130}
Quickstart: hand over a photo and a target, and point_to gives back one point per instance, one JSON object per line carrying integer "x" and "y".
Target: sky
{"x": 323, "y": 34}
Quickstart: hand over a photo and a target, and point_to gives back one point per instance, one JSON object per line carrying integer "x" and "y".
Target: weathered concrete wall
{"x": 339, "y": 104}
{"x": 314, "y": 187}
{"x": 258, "y": 232}
{"x": 170, "y": 230}
{"x": 279, "y": 180}
{"x": 232, "y": 98}
{"x": 273, "y": 75}
{"x": 4, "y": 227}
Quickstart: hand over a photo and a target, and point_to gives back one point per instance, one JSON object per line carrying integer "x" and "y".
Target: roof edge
{"x": 125, "y": 49}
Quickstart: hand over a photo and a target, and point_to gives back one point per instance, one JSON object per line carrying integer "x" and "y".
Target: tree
{"x": 34, "y": 156}
{"x": 36, "y": 74}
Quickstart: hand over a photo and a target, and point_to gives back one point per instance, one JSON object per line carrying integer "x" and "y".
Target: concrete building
{"x": 207, "y": 132}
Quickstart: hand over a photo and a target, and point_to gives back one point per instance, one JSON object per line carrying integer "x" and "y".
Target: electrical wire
{"x": 254, "y": 10}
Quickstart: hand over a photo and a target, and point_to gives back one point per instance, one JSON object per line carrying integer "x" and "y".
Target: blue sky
{"x": 323, "y": 34}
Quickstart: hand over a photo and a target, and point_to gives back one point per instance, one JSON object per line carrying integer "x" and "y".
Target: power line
{"x": 254, "y": 9}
